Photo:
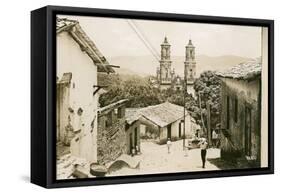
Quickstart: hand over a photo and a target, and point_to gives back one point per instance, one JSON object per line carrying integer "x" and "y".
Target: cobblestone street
{"x": 155, "y": 159}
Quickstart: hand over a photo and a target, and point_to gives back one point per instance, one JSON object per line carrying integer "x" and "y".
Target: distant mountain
{"x": 146, "y": 65}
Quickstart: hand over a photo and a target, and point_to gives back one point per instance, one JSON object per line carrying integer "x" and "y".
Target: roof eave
{"x": 110, "y": 107}
{"x": 105, "y": 68}
{"x": 242, "y": 78}
{"x": 86, "y": 45}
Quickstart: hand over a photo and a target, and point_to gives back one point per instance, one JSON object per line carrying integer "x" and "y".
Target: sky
{"x": 114, "y": 37}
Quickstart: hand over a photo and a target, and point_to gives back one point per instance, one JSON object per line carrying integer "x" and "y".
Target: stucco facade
{"x": 240, "y": 119}
{"x": 77, "y": 94}
{"x": 78, "y": 61}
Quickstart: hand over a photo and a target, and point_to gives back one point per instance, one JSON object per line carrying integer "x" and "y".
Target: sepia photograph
{"x": 142, "y": 97}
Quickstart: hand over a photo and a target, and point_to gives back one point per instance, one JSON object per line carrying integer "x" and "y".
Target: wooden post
{"x": 209, "y": 132}
{"x": 184, "y": 93}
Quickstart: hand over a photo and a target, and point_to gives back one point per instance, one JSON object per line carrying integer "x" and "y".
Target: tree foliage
{"x": 141, "y": 93}
{"x": 208, "y": 86}
{"x": 136, "y": 89}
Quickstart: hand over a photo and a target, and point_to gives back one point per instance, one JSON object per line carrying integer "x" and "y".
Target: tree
{"x": 141, "y": 93}
{"x": 136, "y": 89}
{"x": 208, "y": 86}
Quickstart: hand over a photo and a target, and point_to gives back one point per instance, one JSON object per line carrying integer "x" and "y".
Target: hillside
{"x": 146, "y": 65}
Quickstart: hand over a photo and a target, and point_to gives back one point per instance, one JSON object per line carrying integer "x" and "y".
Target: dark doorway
{"x": 131, "y": 143}
{"x": 248, "y": 130}
{"x": 180, "y": 129}
{"x": 169, "y": 131}
{"x": 136, "y": 136}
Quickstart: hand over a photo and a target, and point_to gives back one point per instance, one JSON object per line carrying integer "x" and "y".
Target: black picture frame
{"x": 43, "y": 95}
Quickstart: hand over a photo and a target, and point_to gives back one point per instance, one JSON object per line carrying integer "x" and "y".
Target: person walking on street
{"x": 169, "y": 144}
{"x": 203, "y": 146}
{"x": 215, "y": 137}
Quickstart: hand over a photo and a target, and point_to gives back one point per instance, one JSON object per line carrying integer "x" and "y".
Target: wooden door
{"x": 169, "y": 131}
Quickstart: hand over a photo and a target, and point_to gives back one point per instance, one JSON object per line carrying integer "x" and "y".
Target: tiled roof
{"x": 132, "y": 114}
{"x": 244, "y": 71}
{"x": 162, "y": 114}
{"x": 85, "y": 43}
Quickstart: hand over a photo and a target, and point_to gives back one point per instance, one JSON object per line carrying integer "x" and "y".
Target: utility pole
{"x": 184, "y": 92}
{"x": 209, "y": 133}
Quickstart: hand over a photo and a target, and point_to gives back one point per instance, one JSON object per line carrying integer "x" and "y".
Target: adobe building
{"x": 166, "y": 120}
{"x": 118, "y": 132}
{"x": 111, "y": 141}
{"x": 78, "y": 62}
{"x": 241, "y": 112}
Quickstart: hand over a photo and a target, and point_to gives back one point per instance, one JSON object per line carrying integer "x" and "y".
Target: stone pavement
{"x": 155, "y": 159}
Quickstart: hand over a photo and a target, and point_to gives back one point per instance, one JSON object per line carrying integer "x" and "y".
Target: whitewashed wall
{"x": 70, "y": 58}
{"x": 190, "y": 128}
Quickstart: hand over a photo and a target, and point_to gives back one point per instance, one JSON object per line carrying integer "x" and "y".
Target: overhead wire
{"x": 145, "y": 38}
{"x": 144, "y": 41}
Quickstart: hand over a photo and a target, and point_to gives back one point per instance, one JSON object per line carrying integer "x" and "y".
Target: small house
{"x": 167, "y": 121}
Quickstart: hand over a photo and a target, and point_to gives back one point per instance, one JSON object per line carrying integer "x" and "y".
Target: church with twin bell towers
{"x": 166, "y": 77}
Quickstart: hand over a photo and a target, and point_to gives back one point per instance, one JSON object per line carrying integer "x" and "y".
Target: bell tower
{"x": 165, "y": 65}
{"x": 189, "y": 67}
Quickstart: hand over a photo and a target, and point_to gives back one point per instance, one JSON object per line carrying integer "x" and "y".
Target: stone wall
{"x": 111, "y": 147}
